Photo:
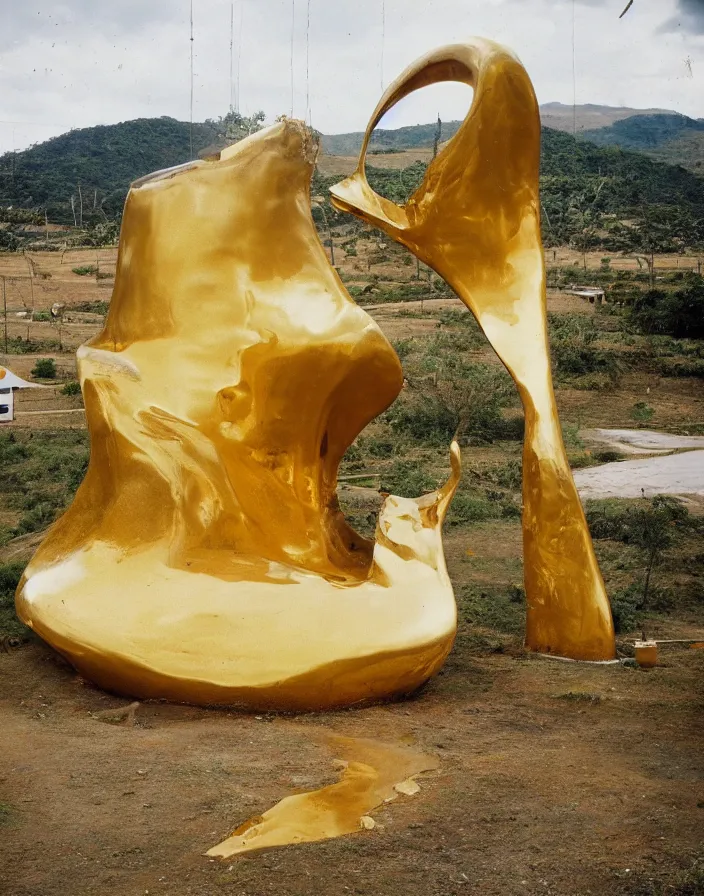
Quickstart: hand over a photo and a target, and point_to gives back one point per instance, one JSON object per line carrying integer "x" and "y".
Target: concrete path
{"x": 674, "y": 474}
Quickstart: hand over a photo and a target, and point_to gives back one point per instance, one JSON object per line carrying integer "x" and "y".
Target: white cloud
{"x": 84, "y": 62}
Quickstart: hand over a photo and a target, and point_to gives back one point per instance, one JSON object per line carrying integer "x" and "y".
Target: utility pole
{"x": 80, "y": 212}
{"x": 4, "y": 303}
{"x": 438, "y": 134}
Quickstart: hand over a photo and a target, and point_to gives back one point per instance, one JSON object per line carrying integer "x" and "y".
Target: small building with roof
{"x": 9, "y": 384}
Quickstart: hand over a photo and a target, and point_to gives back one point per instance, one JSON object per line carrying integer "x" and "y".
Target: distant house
{"x": 9, "y": 383}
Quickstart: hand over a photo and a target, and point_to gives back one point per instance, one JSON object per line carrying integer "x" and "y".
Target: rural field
{"x": 552, "y": 777}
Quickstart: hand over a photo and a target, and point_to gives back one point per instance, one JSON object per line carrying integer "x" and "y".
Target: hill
{"x": 415, "y": 136}
{"x": 671, "y": 138}
{"x": 102, "y": 161}
{"x": 552, "y": 115}
{"x": 592, "y": 195}
{"x": 588, "y": 116}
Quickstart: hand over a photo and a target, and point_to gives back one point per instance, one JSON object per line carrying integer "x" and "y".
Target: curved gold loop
{"x": 475, "y": 219}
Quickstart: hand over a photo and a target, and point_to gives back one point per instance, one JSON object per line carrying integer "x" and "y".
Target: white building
{"x": 9, "y": 383}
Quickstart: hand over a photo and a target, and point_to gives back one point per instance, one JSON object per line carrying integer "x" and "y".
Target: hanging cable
{"x": 383, "y": 41}
{"x": 191, "y": 124}
{"x": 307, "y": 113}
{"x": 574, "y": 76}
{"x": 293, "y": 32}
{"x": 232, "y": 59}
{"x": 239, "y": 56}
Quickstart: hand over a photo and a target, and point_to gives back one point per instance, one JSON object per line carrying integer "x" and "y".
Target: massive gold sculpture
{"x": 475, "y": 220}
{"x": 205, "y": 558}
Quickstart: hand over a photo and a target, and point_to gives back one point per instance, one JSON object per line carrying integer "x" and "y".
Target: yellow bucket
{"x": 647, "y": 654}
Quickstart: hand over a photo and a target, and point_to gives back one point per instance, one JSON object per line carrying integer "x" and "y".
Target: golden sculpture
{"x": 205, "y": 558}
{"x": 475, "y": 220}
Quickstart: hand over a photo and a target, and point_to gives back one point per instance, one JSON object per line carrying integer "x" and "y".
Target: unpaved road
{"x": 643, "y": 441}
{"x": 664, "y": 474}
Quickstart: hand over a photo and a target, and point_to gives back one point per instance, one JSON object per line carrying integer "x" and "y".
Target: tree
{"x": 233, "y": 127}
{"x": 650, "y": 529}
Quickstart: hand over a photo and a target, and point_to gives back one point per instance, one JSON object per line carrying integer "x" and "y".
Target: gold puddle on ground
{"x": 372, "y": 773}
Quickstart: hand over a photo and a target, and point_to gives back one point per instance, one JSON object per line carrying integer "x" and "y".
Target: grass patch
{"x": 10, "y": 626}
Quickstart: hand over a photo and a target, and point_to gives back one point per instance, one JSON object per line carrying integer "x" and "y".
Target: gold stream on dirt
{"x": 373, "y": 773}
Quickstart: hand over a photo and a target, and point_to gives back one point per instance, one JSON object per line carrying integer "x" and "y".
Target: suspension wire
{"x": 232, "y": 41}
{"x": 239, "y": 56}
{"x": 191, "y": 124}
{"x": 293, "y": 32}
{"x": 574, "y": 76}
{"x": 307, "y": 114}
{"x": 383, "y": 41}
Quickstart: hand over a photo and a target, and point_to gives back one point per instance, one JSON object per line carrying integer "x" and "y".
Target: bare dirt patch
{"x": 554, "y": 778}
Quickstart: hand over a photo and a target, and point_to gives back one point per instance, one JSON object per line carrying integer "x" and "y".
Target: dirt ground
{"x": 555, "y": 778}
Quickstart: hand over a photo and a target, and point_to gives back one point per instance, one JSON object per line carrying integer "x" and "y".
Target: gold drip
{"x": 475, "y": 220}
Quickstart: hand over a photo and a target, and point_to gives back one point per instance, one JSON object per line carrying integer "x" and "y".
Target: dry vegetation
{"x": 555, "y": 778}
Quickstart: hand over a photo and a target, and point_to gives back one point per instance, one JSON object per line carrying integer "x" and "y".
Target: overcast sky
{"x": 83, "y": 62}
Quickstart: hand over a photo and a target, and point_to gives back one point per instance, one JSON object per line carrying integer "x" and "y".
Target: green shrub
{"x": 72, "y": 388}
{"x": 463, "y": 399}
{"x": 679, "y": 313}
{"x": 377, "y": 447}
{"x": 16, "y": 345}
{"x": 501, "y": 608}
{"x": 92, "y": 307}
{"x": 608, "y": 456}
{"x": 45, "y": 368}
{"x": 627, "y": 608}
{"x": 11, "y": 451}
{"x": 642, "y": 412}
{"x": 85, "y": 270}
{"x": 36, "y": 519}
{"x": 10, "y": 575}
{"x": 507, "y": 475}
{"x": 403, "y": 347}
{"x": 677, "y": 367}
{"x": 407, "y": 480}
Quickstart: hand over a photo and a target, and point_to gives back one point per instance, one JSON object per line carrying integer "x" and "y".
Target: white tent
{"x": 9, "y": 381}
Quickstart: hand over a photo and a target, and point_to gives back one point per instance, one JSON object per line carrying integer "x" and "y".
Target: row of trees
{"x": 592, "y": 197}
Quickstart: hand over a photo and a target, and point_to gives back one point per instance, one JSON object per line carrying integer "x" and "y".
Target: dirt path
{"x": 554, "y": 779}
{"x": 642, "y": 441}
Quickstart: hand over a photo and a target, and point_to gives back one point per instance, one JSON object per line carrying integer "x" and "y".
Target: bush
{"x": 403, "y": 347}
{"x": 679, "y": 313}
{"x": 501, "y": 608}
{"x": 72, "y": 388}
{"x": 464, "y": 399}
{"x": 45, "y": 369}
{"x": 642, "y": 412}
{"x": 627, "y": 608}
{"x": 11, "y": 451}
{"x": 407, "y": 480}
{"x": 85, "y": 270}
{"x": 10, "y": 575}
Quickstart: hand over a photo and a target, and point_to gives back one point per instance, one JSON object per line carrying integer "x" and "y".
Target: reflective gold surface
{"x": 475, "y": 220}
{"x": 372, "y": 773}
{"x": 205, "y": 558}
